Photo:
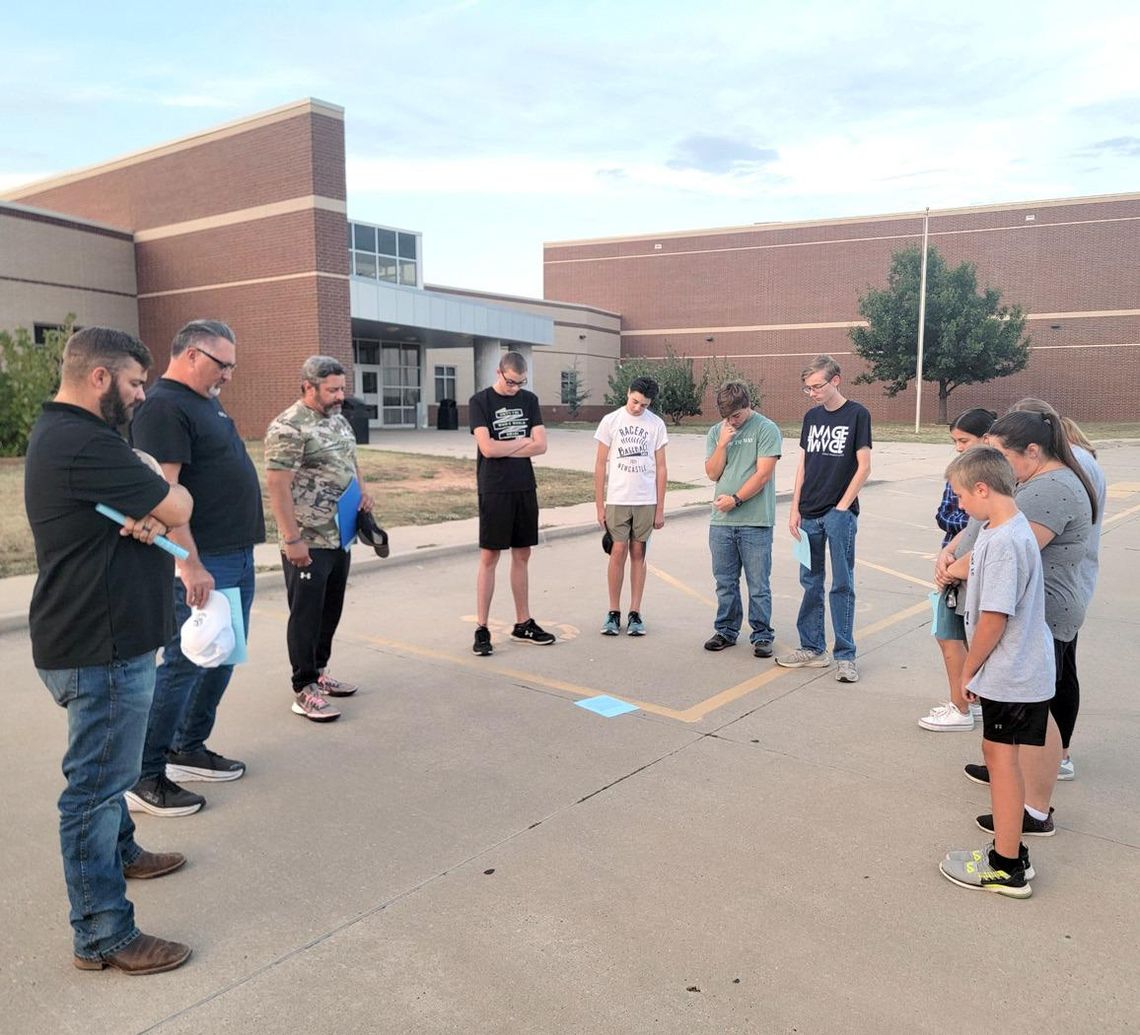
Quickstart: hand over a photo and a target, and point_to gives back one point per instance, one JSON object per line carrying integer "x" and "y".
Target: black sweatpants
{"x": 316, "y": 599}
{"x": 1067, "y": 690}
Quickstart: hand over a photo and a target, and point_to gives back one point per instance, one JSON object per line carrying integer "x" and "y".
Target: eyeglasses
{"x": 808, "y": 389}
{"x": 513, "y": 384}
{"x": 222, "y": 366}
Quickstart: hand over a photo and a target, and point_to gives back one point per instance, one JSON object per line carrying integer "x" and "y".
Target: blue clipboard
{"x": 347, "y": 507}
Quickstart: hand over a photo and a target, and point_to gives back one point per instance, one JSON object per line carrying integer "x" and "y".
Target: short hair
{"x": 983, "y": 464}
{"x": 732, "y": 396}
{"x": 200, "y": 330}
{"x": 974, "y": 422}
{"x": 645, "y": 386}
{"x": 822, "y": 364}
{"x": 316, "y": 368}
{"x": 513, "y": 360}
{"x": 101, "y": 347}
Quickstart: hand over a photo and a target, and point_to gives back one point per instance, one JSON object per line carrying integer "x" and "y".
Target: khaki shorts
{"x": 626, "y": 522}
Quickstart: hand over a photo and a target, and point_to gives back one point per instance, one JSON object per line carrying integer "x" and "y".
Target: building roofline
{"x": 843, "y": 220}
{"x": 520, "y": 298}
{"x": 309, "y": 105}
{"x": 45, "y": 215}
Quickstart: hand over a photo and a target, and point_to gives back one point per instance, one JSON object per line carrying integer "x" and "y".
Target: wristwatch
{"x": 737, "y": 500}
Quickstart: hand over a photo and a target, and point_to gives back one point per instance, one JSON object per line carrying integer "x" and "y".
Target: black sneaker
{"x": 202, "y": 765}
{"x": 718, "y": 642}
{"x": 162, "y": 797}
{"x": 977, "y": 773}
{"x": 482, "y": 645}
{"x": 763, "y": 649}
{"x": 1031, "y": 826}
{"x": 531, "y": 632}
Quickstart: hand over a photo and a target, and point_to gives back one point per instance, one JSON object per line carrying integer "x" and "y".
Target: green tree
{"x": 970, "y": 337}
{"x": 29, "y": 377}
{"x": 574, "y": 390}
{"x": 625, "y": 370}
{"x": 718, "y": 370}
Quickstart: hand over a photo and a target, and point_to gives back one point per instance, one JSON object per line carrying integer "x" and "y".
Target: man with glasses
{"x": 187, "y": 430}
{"x": 507, "y": 424}
{"x": 835, "y": 460}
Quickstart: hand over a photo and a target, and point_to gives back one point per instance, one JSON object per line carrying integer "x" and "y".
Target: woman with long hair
{"x": 1059, "y": 500}
{"x": 957, "y": 715}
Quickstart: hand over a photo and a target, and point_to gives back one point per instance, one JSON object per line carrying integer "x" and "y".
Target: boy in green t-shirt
{"x": 740, "y": 456}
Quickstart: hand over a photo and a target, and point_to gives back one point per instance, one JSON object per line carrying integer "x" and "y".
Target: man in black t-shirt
{"x": 184, "y": 427}
{"x": 100, "y": 609}
{"x": 835, "y": 460}
{"x": 507, "y": 424}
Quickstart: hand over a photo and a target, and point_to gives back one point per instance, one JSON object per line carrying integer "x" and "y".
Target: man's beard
{"x": 112, "y": 408}
{"x": 333, "y": 410}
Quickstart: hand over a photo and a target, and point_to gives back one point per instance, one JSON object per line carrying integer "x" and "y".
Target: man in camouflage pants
{"x": 310, "y": 460}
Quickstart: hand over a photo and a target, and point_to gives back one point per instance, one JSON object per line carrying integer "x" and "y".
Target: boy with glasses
{"x": 507, "y": 424}
{"x": 835, "y": 460}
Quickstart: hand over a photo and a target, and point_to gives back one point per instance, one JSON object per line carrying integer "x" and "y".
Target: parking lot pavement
{"x": 753, "y": 849}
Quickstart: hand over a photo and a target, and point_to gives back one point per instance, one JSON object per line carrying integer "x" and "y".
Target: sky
{"x": 492, "y": 127}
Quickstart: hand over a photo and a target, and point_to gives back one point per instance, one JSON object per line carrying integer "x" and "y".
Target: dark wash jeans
{"x": 107, "y": 708}
{"x": 835, "y": 533}
{"x": 748, "y": 548}
{"x": 186, "y": 697}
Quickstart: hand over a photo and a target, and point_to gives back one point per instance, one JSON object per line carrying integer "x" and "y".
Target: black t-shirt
{"x": 830, "y": 440}
{"x": 100, "y": 596}
{"x": 506, "y": 417}
{"x": 176, "y": 425}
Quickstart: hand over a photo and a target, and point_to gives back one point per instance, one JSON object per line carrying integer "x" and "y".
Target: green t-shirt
{"x": 757, "y": 437}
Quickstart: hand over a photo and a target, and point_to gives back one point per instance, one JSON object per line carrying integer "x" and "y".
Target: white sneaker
{"x": 945, "y": 718}
{"x": 846, "y": 672}
{"x": 1066, "y": 771}
{"x": 976, "y": 710}
{"x": 804, "y": 658}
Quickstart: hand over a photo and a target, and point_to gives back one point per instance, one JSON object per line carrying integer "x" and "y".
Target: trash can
{"x": 447, "y": 418}
{"x": 356, "y": 413}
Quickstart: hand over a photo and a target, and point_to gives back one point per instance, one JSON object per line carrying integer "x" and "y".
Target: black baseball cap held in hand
{"x": 371, "y": 533}
{"x": 607, "y": 541}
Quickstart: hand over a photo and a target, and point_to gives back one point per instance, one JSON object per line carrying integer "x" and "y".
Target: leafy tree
{"x": 718, "y": 370}
{"x": 970, "y": 337}
{"x": 625, "y": 370}
{"x": 574, "y": 390}
{"x": 29, "y": 377}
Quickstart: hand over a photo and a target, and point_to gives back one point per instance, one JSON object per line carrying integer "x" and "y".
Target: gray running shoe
{"x": 312, "y": 704}
{"x": 634, "y": 626}
{"x": 846, "y": 672}
{"x": 982, "y": 855}
{"x": 804, "y": 658}
{"x": 612, "y": 625}
{"x": 981, "y": 876}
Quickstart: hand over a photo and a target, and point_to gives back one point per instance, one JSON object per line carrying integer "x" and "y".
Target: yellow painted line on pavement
{"x": 925, "y": 583}
{"x": 676, "y": 583}
{"x": 1119, "y": 490}
{"x": 1123, "y": 514}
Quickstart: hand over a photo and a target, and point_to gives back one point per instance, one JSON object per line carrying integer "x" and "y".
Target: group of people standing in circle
{"x": 1061, "y": 492}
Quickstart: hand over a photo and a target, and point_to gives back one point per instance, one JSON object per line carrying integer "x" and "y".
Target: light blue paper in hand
{"x": 935, "y": 596}
{"x": 606, "y": 706}
{"x": 801, "y": 550}
{"x": 238, "y": 654}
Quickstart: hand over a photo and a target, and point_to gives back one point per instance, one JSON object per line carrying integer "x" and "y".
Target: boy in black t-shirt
{"x": 507, "y": 424}
{"x": 835, "y": 460}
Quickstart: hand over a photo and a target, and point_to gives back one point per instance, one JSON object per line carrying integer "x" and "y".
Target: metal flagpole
{"x": 921, "y": 321}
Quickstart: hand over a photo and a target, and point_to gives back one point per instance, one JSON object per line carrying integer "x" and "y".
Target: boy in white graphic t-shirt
{"x": 629, "y": 489}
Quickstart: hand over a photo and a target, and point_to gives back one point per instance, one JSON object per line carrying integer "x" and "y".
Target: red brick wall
{"x": 279, "y": 280}
{"x": 1079, "y": 257}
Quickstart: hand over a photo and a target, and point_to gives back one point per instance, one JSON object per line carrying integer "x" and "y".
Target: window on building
{"x": 444, "y": 383}
{"x": 381, "y": 253}
{"x": 569, "y": 387}
{"x": 40, "y": 331}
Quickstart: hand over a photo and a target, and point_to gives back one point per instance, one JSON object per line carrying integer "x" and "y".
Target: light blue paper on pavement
{"x": 801, "y": 550}
{"x": 606, "y": 706}
{"x": 238, "y": 654}
{"x": 347, "y": 507}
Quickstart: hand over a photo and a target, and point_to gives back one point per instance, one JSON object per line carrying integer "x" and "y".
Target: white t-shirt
{"x": 632, "y": 468}
{"x": 1006, "y": 577}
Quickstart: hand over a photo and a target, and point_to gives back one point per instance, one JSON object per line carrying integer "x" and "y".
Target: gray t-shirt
{"x": 1006, "y": 577}
{"x": 1090, "y": 563}
{"x": 1057, "y": 500}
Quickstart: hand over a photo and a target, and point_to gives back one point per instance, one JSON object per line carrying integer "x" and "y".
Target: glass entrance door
{"x": 399, "y": 385}
{"x": 366, "y": 377}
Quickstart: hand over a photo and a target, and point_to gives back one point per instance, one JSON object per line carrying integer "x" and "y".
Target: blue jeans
{"x": 734, "y": 547}
{"x": 186, "y": 697}
{"x": 835, "y": 531}
{"x": 107, "y": 708}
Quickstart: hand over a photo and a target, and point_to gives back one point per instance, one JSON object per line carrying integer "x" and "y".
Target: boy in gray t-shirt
{"x": 1009, "y": 666}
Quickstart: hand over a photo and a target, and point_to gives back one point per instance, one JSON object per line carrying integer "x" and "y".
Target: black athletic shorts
{"x": 508, "y": 519}
{"x": 1007, "y": 722}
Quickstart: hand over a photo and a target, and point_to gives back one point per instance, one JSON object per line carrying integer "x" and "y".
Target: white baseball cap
{"x": 208, "y": 634}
